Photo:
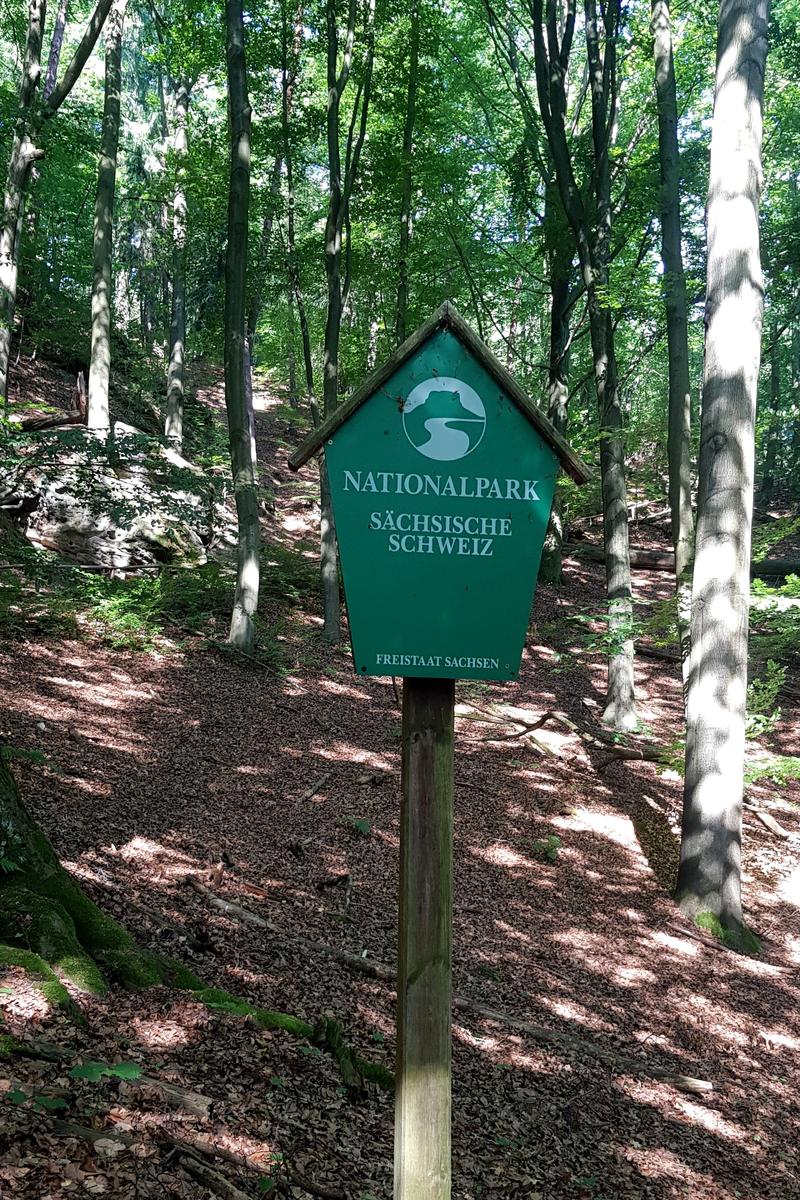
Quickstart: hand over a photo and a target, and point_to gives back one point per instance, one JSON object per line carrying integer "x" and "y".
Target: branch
{"x": 85, "y": 48}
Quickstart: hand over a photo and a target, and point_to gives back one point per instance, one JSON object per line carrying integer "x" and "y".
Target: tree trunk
{"x": 56, "y": 43}
{"x": 288, "y": 77}
{"x": 243, "y": 466}
{"x": 100, "y": 358}
{"x": 19, "y": 167}
{"x": 771, "y": 456}
{"x": 560, "y": 262}
{"x": 176, "y": 370}
{"x": 620, "y": 709}
{"x": 592, "y": 239}
{"x": 47, "y": 923}
{"x": 254, "y": 311}
{"x": 406, "y": 193}
{"x": 680, "y": 406}
{"x": 709, "y": 876}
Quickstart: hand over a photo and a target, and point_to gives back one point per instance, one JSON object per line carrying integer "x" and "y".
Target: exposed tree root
{"x": 620, "y": 1063}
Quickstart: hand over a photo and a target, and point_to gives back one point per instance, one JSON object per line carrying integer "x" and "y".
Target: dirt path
{"x": 162, "y": 765}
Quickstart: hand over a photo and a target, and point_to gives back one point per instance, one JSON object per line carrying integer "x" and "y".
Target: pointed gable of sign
{"x": 445, "y": 318}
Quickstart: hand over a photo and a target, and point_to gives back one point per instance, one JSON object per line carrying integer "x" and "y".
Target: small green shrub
{"x": 763, "y": 713}
{"x": 547, "y": 848}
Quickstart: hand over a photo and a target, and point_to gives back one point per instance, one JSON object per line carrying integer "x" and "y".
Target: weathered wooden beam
{"x": 422, "y": 1166}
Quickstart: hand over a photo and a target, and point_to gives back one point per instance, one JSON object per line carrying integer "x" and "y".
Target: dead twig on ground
{"x": 377, "y": 970}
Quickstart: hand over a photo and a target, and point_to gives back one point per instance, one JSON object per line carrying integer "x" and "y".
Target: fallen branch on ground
{"x": 768, "y": 821}
{"x": 377, "y": 970}
{"x": 211, "y": 1179}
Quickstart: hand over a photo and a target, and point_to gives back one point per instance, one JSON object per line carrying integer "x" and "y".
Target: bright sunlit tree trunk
{"x": 100, "y": 360}
{"x": 240, "y": 420}
{"x": 709, "y": 876}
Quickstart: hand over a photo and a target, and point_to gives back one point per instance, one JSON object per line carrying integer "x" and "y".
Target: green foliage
{"x": 744, "y": 941}
{"x": 95, "y": 1071}
{"x": 770, "y": 534}
{"x": 779, "y": 769}
{"x": 547, "y": 848}
{"x": 763, "y": 713}
{"x": 775, "y": 620}
{"x": 360, "y": 826}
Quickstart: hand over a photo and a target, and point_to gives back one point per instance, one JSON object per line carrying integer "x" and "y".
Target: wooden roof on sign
{"x": 445, "y": 317}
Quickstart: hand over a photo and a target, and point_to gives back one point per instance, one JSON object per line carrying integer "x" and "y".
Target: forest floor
{"x": 266, "y": 783}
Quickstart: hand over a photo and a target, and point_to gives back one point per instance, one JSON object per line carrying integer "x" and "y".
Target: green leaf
{"x": 49, "y": 1103}
{"x": 125, "y": 1070}
{"x": 276, "y": 1081}
{"x": 16, "y": 1096}
{"x": 93, "y": 1071}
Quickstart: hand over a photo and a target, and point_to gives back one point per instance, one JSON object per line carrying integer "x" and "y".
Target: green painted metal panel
{"x": 441, "y": 494}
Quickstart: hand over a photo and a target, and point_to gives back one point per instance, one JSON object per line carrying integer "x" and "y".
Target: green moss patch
{"x": 44, "y": 926}
{"x": 41, "y": 974}
{"x": 743, "y": 940}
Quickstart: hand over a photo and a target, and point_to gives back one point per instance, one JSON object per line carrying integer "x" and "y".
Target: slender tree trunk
{"x": 100, "y": 357}
{"x": 329, "y": 554}
{"x": 254, "y": 311}
{"x": 176, "y": 370}
{"x": 709, "y": 875}
{"x": 680, "y": 396}
{"x": 406, "y": 191}
{"x": 55, "y": 48}
{"x": 591, "y": 228}
{"x": 23, "y": 152}
{"x": 559, "y": 250}
{"x": 620, "y": 709}
{"x": 771, "y": 456}
{"x": 243, "y": 465}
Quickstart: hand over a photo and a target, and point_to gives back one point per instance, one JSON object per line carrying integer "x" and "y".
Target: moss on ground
{"x": 42, "y": 975}
{"x": 44, "y": 926}
{"x": 742, "y": 940}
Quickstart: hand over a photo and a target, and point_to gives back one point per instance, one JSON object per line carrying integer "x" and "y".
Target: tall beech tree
{"x": 406, "y": 188}
{"x": 240, "y": 413}
{"x": 341, "y": 180}
{"x": 25, "y": 152}
{"x": 100, "y": 354}
{"x": 176, "y": 368}
{"x": 591, "y": 227}
{"x": 676, "y": 304}
{"x": 709, "y": 874}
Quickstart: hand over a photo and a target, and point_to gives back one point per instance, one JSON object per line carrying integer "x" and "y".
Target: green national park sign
{"x": 442, "y": 475}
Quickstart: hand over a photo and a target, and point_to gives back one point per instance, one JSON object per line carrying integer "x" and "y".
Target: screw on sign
{"x": 442, "y": 474}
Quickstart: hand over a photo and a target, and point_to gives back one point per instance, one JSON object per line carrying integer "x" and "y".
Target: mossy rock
{"x": 44, "y": 926}
{"x": 42, "y": 976}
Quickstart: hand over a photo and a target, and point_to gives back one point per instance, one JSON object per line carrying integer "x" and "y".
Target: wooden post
{"x": 422, "y": 1109}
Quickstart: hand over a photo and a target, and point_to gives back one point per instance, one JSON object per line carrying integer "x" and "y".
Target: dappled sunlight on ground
{"x": 279, "y": 791}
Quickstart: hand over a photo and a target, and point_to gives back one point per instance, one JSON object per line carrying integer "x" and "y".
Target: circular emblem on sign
{"x": 444, "y": 418}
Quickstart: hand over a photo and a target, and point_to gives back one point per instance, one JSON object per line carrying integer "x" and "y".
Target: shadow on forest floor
{"x": 164, "y": 765}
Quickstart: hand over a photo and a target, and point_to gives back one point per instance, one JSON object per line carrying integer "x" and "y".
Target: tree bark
{"x": 680, "y": 406}
{"x": 56, "y": 43}
{"x": 559, "y": 252}
{"x": 240, "y": 421}
{"x": 176, "y": 370}
{"x": 254, "y": 311}
{"x": 709, "y": 876}
{"x": 288, "y": 79}
{"x": 100, "y": 356}
{"x": 771, "y": 456}
{"x": 406, "y": 191}
{"x": 592, "y": 238}
{"x": 620, "y": 709}
{"x": 19, "y": 167}
{"x": 340, "y": 189}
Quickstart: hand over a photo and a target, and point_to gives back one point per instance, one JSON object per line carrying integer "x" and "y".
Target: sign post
{"x": 442, "y": 474}
{"x": 425, "y": 940}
